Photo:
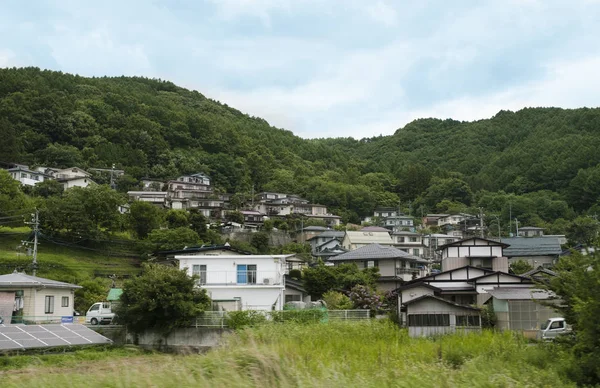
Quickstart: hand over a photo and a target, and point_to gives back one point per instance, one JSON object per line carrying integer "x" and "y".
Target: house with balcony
{"x": 409, "y": 242}
{"x": 395, "y": 266}
{"x": 26, "y": 176}
{"x": 238, "y": 281}
{"x": 399, "y": 222}
{"x": 158, "y": 198}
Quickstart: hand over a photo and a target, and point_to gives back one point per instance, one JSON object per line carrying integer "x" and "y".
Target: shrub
{"x": 241, "y": 319}
{"x": 337, "y": 301}
{"x": 299, "y": 316}
{"x": 295, "y": 274}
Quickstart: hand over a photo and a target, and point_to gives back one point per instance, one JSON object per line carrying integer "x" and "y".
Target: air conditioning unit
{"x": 266, "y": 281}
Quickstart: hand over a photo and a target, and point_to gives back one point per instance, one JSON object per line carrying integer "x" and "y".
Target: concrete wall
{"x": 251, "y": 297}
{"x": 181, "y": 340}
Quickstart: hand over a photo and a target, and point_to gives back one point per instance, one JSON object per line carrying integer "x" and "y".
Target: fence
{"x": 219, "y": 318}
{"x": 42, "y": 319}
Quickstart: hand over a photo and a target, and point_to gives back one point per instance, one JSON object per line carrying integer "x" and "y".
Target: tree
{"x": 170, "y": 239}
{"x": 197, "y": 222}
{"x": 260, "y": 241}
{"x": 92, "y": 291}
{"x": 452, "y": 189}
{"x": 319, "y": 279}
{"x": 48, "y": 188}
{"x": 583, "y": 230}
{"x": 235, "y": 216}
{"x": 161, "y": 298}
{"x": 335, "y": 300}
{"x": 177, "y": 218}
{"x": 143, "y": 218}
{"x": 578, "y": 285}
{"x": 520, "y": 266}
{"x": 11, "y": 196}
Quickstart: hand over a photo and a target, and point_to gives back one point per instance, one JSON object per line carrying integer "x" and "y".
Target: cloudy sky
{"x": 326, "y": 68}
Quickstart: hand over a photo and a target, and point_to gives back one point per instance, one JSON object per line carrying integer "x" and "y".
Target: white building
{"x": 249, "y": 282}
{"x": 26, "y": 176}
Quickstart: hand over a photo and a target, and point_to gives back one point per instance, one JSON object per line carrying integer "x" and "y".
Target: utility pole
{"x": 35, "y": 222}
{"x": 481, "y": 221}
{"x": 517, "y": 226}
{"x": 510, "y": 219}
{"x": 112, "y": 181}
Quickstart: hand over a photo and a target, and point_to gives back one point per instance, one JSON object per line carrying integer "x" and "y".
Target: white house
{"x": 475, "y": 252}
{"x": 33, "y": 299}
{"x": 254, "y": 282}
{"x": 26, "y": 176}
{"x": 73, "y": 177}
{"x": 354, "y": 240}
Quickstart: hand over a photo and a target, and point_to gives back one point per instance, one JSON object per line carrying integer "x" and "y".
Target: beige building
{"x": 31, "y": 299}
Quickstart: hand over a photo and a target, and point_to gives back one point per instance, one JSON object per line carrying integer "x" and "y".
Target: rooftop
{"x": 19, "y": 279}
{"x": 375, "y": 251}
{"x": 531, "y": 246}
{"x": 505, "y": 293}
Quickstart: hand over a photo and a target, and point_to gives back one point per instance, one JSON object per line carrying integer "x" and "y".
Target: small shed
{"x": 26, "y": 298}
{"x": 430, "y": 315}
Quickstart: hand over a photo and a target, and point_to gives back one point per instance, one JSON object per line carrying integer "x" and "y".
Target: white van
{"x": 99, "y": 313}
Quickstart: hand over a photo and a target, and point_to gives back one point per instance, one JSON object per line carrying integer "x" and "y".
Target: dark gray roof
{"x": 505, "y": 293}
{"x": 537, "y": 271}
{"x": 530, "y": 228}
{"x": 375, "y": 251}
{"x": 315, "y": 228}
{"x": 18, "y": 279}
{"x": 531, "y": 246}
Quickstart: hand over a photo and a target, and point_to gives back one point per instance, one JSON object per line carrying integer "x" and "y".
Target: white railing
{"x": 219, "y": 318}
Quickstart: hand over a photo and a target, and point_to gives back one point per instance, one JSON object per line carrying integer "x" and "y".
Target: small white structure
{"x": 26, "y": 176}
{"x": 256, "y": 281}
{"x": 35, "y": 299}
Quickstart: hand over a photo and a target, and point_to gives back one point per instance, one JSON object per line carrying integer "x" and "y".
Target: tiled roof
{"x": 18, "y": 279}
{"x": 375, "y": 251}
{"x": 429, "y": 296}
{"x": 532, "y": 246}
{"x": 369, "y": 237}
{"x": 374, "y": 229}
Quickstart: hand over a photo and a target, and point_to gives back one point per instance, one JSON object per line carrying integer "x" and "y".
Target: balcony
{"x": 240, "y": 278}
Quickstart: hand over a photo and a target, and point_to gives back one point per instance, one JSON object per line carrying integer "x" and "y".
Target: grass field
{"x": 66, "y": 263}
{"x": 373, "y": 354}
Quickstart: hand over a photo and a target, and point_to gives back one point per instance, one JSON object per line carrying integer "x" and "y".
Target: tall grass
{"x": 374, "y": 354}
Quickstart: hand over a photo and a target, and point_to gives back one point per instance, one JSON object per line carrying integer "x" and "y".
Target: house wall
{"x": 449, "y": 263}
{"x": 251, "y": 297}
{"x": 472, "y": 250}
{"x": 298, "y": 295}
{"x": 432, "y": 306}
{"x": 387, "y": 267}
{"x": 224, "y": 269}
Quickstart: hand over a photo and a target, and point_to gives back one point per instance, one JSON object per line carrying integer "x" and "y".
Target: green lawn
{"x": 372, "y": 354}
{"x": 66, "y": 263}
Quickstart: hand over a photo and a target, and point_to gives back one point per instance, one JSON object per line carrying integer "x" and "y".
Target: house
{"x": 536, "y": 251}
{"x": 466, "y": 285}
{"x": 395, "y": 266}
{"x": 399, "y": 222}
{"x": 540, "y": 275}
{"x": 309, "y": 232}
{"x": 431, "y": 243}
{"x": 430, "y": 315}
{"x": 187, "y": 190}
{"x": 31, "y": 299}
{"x": 150, "y": 184}
{"x": 520, "y": 308}
{"x": 354, "y": 240}
{"x": 530, "y": 231}
{"x": 475, "y": 252}
{"x": 28, "y": 177}
{"x": 323, "y": 237}
{"x": 460, "y": 225}
{"x": 247, "y": 282}
{"x": 73, "y": 177}
{"x": 294, "y": 291}
{"x": 158, "y": 198}
{"x": 328, "y": 250}
{"x": 252, "y": 218}
{"x": 430, "y": 220}
{"x": 409, "y": 242}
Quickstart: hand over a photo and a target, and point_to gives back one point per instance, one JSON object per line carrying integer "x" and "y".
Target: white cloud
{"x": 7, "y": 58}
{"x": 232, "y": 10}
{"x": 382, "y": 13}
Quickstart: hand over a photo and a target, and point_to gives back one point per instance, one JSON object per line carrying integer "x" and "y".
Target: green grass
{"x": 374, "y": 354}
{"x": 66, "y": 263}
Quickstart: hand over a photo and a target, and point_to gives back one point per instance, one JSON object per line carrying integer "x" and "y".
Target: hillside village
{"x": 439, "y": 265}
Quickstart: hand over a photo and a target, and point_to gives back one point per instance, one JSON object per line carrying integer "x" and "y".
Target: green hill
{"x": 155, "y": 128}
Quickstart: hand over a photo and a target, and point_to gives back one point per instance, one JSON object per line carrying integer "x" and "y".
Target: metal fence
{"x": 41, "y": 319}
{"x": 219, "y": 318}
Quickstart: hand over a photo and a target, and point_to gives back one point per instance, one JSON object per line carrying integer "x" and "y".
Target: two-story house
{"x": 409, "y": 242}
{"x": 73, "y": 177}
{"x": 395, "y": 266}
{"x": 26, "y": 176}
{"x": 536, "y": 251}
{"x": 188, "y": 191}
{"x": 399, "y": 223}
{"x": 237, "y": 281}
{"x": 475, "y": 252}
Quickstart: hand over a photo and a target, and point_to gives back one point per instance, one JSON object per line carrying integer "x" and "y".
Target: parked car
{"x": 553, "y": 328}
{"x": 99, "y": 313}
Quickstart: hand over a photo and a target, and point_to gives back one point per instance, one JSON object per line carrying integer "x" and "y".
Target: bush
{"x": 299, "y": 316}
{"x": 241, "y": 319}
{"x": 337, "y": 301}
{"x": 295, "y": 274}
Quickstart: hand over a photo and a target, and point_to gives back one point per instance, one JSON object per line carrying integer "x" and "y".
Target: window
{"x": 293, "y": 298}
{"x": 49, "y": 309}
{"x": 200, "y": 270}
{"x": 429, "y": 320}
{"x": 23, "y": 175}
{"x": 557, "y": 325}
{"x": 467, "y": 320}
{"x": 246, "y": 273}
{"x": 95, "y": 307}
{"x": 400, "y": 239}
{"x": 413, "y": 239}
{"x": 371, "y": 263}
{"x": 64, "y": 301}
{"x": 416, "y": 252}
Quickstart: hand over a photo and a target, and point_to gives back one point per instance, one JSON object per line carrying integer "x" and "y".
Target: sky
{"x": 326, "y": 68}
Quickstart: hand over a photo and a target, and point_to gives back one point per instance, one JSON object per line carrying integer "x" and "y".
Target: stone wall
{"x": 181, "y": 340}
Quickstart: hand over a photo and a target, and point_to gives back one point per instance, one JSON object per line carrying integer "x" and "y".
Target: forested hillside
{"x": 545, "y": 162}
